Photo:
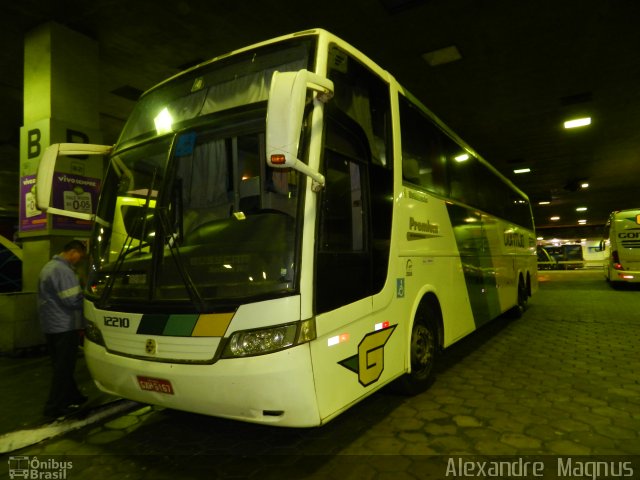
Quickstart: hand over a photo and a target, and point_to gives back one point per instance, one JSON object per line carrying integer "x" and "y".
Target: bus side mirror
{"x": 46, "y": 169}
{"x": 285, "y": 111}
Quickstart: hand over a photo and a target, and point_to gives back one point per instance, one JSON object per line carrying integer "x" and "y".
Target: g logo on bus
{"x": 150, "y": 347}
{"x": 369, "y": 362}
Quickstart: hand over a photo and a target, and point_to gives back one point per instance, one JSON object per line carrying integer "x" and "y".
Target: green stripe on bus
{"x": 180, "y": 325}
{"x": 477, "y": 263}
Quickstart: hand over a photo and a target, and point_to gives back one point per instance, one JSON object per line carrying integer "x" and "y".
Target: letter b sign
{"x": 33, "y": 143}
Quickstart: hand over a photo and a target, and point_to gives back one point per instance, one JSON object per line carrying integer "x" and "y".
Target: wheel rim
{"x": 422, "y": 351}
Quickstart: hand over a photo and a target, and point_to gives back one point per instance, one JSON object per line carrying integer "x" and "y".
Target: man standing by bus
{"x": 60, "y": 310}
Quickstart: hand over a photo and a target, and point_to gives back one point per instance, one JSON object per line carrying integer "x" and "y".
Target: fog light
{"x": 93, "y": 333}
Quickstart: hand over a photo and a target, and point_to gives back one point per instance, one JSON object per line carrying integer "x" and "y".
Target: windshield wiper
{"x": 126, "y": 250}
{"x": 170, "y": 240}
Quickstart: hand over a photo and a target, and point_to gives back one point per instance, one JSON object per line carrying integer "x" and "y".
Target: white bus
{"x": 284, "y": 230}
{"x": 621, "y": 246}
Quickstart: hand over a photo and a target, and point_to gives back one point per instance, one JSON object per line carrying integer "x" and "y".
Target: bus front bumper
{"x": 276, "y": 389}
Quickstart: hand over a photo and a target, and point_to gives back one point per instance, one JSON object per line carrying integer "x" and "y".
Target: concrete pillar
{"x": 61, "y": 104}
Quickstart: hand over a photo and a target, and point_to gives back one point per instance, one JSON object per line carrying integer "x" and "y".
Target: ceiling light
{"x": 522, "y": 170}
{"x": 554, "y": 219}
{"x": 582, "y": 222}
{"x": 577, "y": 122}
{"x": 442, "y": 56}
{"x": 581, "y": 209}
{"x": 584, "y": 185}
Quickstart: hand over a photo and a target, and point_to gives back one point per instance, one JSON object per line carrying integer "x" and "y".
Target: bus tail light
{"x": 248, "y": 343}
{"x": 615, "y": 258}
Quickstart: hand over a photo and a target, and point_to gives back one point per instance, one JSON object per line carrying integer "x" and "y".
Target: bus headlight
{"x": 248, "y": 343}
{"x": 93, "y": 333}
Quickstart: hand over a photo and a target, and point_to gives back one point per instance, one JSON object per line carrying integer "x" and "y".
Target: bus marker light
{"x": 380, "y": 326}
{"x": 343, "y": 337}
{"x": 278, "y": 159}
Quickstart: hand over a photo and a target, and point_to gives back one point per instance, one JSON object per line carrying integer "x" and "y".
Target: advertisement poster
{"x": 76, "y": 193}
{"x": 31, "y": 219}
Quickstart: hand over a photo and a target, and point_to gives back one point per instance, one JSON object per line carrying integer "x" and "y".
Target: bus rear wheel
{"x": 424, "y": 352}
{"x": 523, "y": 301}
{"x": 523, "y": 296}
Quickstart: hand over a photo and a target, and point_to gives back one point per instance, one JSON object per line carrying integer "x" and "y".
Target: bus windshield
{"x": 238, "y": 80}
{"x": 190, "y": 214}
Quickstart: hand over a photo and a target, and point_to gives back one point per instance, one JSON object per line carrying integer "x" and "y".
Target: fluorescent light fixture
{"x": 461, "y": 158}
{"x": 544, "y": 202}
{"x": 577, "y": 122}
{"x": 522, "y": 170}
{"x": 582, "y": 222}
{"x": 581, "y": 209}
{"x": 442, "y": 56}
{"x": 554, "y": 219}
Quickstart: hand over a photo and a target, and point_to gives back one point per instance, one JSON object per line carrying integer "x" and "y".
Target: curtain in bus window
{"x": 244, "y": 90}
{"x": 364, "y": 97}
{"x": 343, "y": 268}
{"x": 204, "y": 176}
{"x": 342, "y": 222}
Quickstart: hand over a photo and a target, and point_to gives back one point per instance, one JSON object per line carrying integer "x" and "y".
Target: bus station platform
{"x": 562, "y": 381}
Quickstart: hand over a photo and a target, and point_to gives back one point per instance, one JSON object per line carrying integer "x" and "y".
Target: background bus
{"x": 567, "y": 257}
{"x": 621, "y": 246}
{"x": 284, "y": 230}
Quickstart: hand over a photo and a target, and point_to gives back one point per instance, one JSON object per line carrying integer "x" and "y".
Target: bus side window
{"x": 343, "y": 263}
{"x": 463, "y": 172}
{"x": 422, "y": 160}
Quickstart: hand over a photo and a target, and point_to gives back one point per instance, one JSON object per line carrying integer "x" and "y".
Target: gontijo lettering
{"x": 512, "y": 239}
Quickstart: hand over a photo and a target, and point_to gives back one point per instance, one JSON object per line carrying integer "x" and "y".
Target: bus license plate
{"x": 155, "y": 385}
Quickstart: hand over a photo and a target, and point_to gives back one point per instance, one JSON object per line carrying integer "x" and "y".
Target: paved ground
{"x": 561, "y": 383}
{"x": 25, "y": 379}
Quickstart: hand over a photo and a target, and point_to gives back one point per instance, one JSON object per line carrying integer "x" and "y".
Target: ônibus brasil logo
{"x": 35, "y": 468}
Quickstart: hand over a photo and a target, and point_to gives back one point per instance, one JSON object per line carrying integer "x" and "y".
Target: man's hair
{"x": 75, "y": 245}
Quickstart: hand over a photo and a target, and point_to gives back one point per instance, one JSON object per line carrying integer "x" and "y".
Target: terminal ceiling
{"x": 524, "y": 68}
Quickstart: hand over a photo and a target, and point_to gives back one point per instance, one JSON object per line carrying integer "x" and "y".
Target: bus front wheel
{"x": 424, "y": 351}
